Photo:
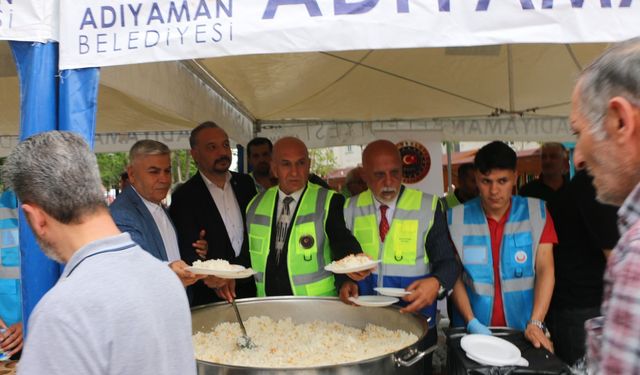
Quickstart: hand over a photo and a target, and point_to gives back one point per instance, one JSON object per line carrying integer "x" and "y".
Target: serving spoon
{"x": 244, "y": 341}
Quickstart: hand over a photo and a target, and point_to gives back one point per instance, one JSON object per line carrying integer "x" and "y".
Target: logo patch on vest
{"x": 307, "y": 241}
{"x": 521, "y": 257}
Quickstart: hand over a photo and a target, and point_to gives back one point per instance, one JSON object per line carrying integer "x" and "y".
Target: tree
{"x": 323, "y": 160}
{"x": 111, "y": 165}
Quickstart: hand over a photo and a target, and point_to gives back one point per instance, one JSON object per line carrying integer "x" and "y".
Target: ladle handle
{"x": 412, "y": 357}
{"x": 235, "y": 308}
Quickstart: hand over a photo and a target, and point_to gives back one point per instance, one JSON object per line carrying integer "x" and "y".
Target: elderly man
{"x": 505, "y": 245}
{"x": 116, "y": 309}
{"x": 214, "y": 200}
{"x": 138, "y": 210}
{"x": 605, "y": 116}
{"x": 466, "y": 189}
{"x": 553, "y": 179}
{"x": 296, "y": 228}
{"x": 407, "y": 230}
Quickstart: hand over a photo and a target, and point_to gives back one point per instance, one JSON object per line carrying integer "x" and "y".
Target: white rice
{"x": 285, "y": 344}
{"x": 350, "y": 261}
{"x": 217, "y": 265}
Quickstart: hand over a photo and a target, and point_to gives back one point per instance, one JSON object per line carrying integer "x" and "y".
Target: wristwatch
{"x": 442, "y": 292}
{"x": 540, "y": 324}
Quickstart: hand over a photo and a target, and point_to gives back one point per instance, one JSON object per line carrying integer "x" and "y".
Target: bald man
{"x": 407, "y": 230}
{"x": 296, "y": 228}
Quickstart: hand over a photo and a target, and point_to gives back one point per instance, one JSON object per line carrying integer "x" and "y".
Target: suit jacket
{"x": 193, "y": 209}
{"x": 132, "y": 216}
{"x": 341, "y": 241}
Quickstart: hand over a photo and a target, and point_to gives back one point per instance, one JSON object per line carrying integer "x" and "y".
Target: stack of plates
{"x": 493, "y": 351}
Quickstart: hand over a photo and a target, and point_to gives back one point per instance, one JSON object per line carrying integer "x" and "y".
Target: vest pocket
{"x": 475, "y": 255}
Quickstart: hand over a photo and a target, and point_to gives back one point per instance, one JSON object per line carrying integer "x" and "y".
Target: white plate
{"x": 521, "y": 361}
{"x": 393, "y": 292}
{"x": 241, "y": 272}
{"x": 365, "y": 266}
{"x": 374, "y": 301}
{"x": 491, "y": 350}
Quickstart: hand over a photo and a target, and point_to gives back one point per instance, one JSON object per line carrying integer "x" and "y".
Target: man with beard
{"x": 214, "y": 200}
{"x": 116, "y": 309}
{"x": 407, "y": 230}
{"x": 553, "y": 179}
{"x": 259, "y": 159}
{"x": 138, "y": 210}
{"x": 605, "y": 116}
{"x": 466, "y": 189}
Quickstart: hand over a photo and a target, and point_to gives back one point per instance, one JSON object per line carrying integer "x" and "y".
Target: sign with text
{"x": 28, "y": 21}
{"x": 114, "y": 32}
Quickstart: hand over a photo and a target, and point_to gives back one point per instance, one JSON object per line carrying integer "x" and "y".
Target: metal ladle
{"x": 244, "y": 342}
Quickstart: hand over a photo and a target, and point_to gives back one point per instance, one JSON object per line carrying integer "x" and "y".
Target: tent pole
{"x": 449, "y": 167}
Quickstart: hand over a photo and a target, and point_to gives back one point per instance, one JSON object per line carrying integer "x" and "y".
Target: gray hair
{"x": 615, "y": 73}
{"x": 147, "y": 147}
{"x": 58, "y": 172}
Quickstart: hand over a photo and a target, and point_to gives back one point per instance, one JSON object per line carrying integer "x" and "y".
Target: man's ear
{"x": 35, "y": 217}
{"x": 621, "y": 121}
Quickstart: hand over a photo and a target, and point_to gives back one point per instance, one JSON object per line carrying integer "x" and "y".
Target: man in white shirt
{"x": 214, "y": 200}
{"x": 115, "y": 309}
{"x": 138, "y": 210}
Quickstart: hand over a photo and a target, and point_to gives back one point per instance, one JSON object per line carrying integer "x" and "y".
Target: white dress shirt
{"x": 389, "y": 213}
{"x": 292, "y": 206}
{"x": 225, "y": 200}
{"x": 167, "y": 231}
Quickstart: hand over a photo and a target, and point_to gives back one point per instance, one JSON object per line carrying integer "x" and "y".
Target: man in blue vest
{"x": 407, "y": 230}
{"x": 505, "y": 245}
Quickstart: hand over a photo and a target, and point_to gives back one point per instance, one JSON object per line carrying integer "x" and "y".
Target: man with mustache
{"x": 259, "y": 160}
{"x": 296, "y": 228}
{"x": 214, "y": 200}
{"x": 553, "y": 179}
{"x": 505, "y": 244}
{"x": 138, "y": 210}
{"x": 115, "y": 309}
{"x": 407, "y": 230}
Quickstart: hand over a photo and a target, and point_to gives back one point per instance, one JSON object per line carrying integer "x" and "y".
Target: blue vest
{"x": 470, "y": 234}
{"x": 10, "y": 301}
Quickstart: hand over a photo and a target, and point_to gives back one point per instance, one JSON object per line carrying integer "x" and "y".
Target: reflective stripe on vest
{"x": 306, "y": 265}
{"x": 403, "y": 252}
{"x": 470, "y": 233}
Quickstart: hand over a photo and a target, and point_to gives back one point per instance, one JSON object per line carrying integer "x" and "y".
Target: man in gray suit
{"x": 138, "y": 210}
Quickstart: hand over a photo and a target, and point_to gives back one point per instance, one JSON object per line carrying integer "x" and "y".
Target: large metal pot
{"x": 305, "y": 309}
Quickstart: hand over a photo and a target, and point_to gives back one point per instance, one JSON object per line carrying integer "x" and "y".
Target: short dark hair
{"x": 465, "y": 169}
{"x": 258, "y": 141}
{"x": 495, "y": 155}
{"x": 199, "y": 128}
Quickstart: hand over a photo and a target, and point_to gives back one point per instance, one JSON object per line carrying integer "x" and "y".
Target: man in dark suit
{"x": 138, "y": 209}
{"x": 214, "y": 200}
{"x": 296, "y": 228}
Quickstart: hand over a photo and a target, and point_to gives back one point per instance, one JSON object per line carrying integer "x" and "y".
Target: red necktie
{"x": 384, "y": 224}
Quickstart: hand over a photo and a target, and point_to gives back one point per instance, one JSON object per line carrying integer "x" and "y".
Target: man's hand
{"x": 423, "y": 293}
{"x": 536, "y": 336}
{"x": 228, "y": 291}
{"x": 186, "y": 277}
{"x": 11, "y": 339}
{"x": 201, "y": 245}
{"x": 215, "y": 282}
{"x": 348, "y": 289}
{"x": 360, "y": 275}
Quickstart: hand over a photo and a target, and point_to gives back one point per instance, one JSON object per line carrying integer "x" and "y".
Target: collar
{"x": 504, "y": 217}
{"x": 211, "y": 184}
{"x": 147, "y": 203}
{"x": 392, "y": 206}
{"x": 295, "y": 195}
{"x": 629, "y": 212}
{"x": 119, "y": 242}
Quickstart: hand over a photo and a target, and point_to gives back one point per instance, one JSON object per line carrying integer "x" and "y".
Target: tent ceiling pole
{"x": 510, "y": 72}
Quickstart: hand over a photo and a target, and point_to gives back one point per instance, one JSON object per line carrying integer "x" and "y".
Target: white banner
{"x": 28, "y": 20}
{"x": 114, "y": 32}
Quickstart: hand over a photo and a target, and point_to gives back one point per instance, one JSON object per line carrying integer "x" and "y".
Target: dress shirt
{"x": 225, "y": 200}
{"x": 165, "y": 227}
{"x": 292, "y": 206}
{"x": 613, "y": 340}
{"x": 390, "y": 210}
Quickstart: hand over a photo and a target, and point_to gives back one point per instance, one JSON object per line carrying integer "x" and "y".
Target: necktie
{"x": 282, "y": 226}
{"x": 384, "y": 224}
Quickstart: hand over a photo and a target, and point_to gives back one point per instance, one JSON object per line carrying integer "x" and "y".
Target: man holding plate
{"x": 296, "y": 229}
{"x": 407, "y": 230}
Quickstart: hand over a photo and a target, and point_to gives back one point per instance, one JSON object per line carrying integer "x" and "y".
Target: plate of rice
{"x": 352, "y": 263}
{"x": 220, "y": 268}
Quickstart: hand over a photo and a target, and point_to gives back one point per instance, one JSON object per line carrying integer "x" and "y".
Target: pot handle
{"x": 412, "y": 356}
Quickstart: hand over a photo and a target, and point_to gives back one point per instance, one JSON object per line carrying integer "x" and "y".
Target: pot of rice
{"x": 308, "y": 335}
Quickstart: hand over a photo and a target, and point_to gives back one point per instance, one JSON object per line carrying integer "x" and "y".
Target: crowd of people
{"x": 532, "y": 262}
